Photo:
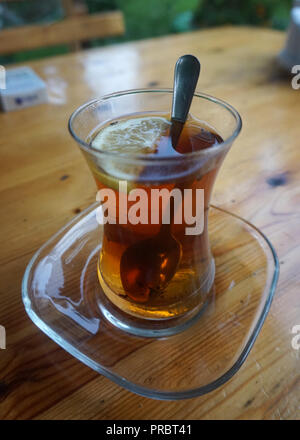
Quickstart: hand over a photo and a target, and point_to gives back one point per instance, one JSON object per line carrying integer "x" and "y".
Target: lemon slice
{"x": 131, "y": 136}
{"x": 127, "y": 137}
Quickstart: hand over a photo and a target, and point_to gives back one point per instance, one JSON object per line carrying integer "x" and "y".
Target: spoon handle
{"x": 186, "y": 74}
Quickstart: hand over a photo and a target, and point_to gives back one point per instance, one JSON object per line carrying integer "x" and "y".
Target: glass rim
{"x": 144, "y": 157}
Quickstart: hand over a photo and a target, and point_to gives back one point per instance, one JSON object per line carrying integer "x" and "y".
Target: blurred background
{"x": 142, "y": 19}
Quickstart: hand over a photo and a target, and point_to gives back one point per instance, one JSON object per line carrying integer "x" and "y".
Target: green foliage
{"x": 146, "y": 19}
{"x": 274, "y": 13}
{"x": 100, "y": 5}
{"x": 41, "y": 52}
{"x": 18, "y": 13}
{"x": 152, "y": 18}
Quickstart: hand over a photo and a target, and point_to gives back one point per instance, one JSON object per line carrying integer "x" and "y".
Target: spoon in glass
{"x": 149, "y": 265}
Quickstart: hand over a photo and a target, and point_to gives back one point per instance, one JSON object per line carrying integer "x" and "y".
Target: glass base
{"x": 148, "y": 327}
{"x": 63, "y": 297}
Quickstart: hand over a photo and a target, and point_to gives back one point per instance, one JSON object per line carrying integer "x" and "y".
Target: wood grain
{"x": 44, "y": 181}
{"x": 68, "y": 30}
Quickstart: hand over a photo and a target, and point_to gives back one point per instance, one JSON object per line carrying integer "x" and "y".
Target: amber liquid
{"x": 193, "y": 279}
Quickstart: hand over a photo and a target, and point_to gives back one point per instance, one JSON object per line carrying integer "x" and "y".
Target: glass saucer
{"x": 60, "y": 287}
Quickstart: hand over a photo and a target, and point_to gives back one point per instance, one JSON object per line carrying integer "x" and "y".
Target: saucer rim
{"x": 127, "y": 384}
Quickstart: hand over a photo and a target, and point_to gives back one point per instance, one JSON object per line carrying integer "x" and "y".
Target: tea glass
{"x": 175, "y": 304}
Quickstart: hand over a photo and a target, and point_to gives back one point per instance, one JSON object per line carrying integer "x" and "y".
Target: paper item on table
{"x": 22, "y": 88}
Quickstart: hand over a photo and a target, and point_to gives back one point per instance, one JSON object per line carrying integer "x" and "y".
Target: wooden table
{"x": 45, "y": 182}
